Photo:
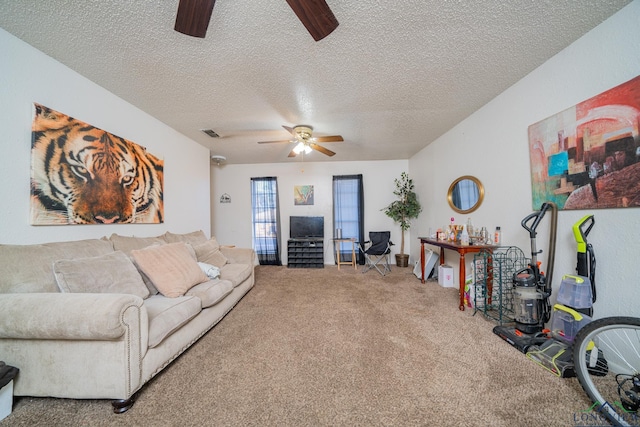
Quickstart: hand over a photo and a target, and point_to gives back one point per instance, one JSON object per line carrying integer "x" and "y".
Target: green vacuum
{"x": 574, "y": 309}
{"x": 586, "y": 258}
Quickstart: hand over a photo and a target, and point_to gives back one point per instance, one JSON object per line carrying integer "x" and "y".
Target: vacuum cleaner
{"x": 586, "y": 258}
{"x": 574, "y": 309}
{"x": 532, "y": 289}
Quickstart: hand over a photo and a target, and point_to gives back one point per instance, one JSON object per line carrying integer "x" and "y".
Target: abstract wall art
{"x": 303, "y": 195}
{"x": 588, "y": 156}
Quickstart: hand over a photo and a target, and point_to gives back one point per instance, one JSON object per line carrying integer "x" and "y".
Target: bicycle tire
{"x": 606, "y": 352}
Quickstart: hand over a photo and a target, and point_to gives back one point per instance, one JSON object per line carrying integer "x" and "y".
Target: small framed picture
{"x": 303, "y": 195}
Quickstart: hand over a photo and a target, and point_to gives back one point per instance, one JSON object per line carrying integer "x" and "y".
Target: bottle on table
{"x": 464, "y": 236}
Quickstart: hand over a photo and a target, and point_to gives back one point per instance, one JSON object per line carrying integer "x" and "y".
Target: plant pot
{"x": 402, "y": 260}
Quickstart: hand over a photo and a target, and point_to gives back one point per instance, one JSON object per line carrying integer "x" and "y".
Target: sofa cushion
{"x": 167, "y": 315}
{"x": 209, "y": 252}
{"x": 127, "y": 244}
{"x": 112, "y": 273}
{"x": 211, "y": 292}
{"x": 28, "y": 268}
{"x": 170, "y": 268}
{"x": 236, "y": 273}
{"x": 193, "y": 238}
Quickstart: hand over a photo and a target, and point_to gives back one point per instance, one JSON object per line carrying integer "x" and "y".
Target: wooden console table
{"x": 336, "y": 245}
{"x": 462, "y": 250}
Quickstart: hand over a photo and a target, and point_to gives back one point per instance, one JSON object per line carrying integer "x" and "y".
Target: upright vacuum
{"x": 532, "y": 289}
{"x": 586, "y": 258}
{"x": 572, "y": 311}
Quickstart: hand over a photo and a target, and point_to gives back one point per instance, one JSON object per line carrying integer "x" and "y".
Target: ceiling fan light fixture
{"x": 302, "y": 147}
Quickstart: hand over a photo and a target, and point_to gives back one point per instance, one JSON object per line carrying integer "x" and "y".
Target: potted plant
{"x": 402, "y": 210}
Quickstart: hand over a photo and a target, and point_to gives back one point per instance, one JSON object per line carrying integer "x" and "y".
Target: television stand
{"x": 305, "y": 253}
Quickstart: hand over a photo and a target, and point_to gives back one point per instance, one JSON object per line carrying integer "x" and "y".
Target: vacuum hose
{"x": 552, "y": 244}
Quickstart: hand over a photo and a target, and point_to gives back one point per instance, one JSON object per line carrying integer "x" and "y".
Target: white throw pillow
{"x": 211, "y": 271}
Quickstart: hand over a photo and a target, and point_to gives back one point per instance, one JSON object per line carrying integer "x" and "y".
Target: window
{"x": 348, "y": 211}
{"x": 266, "y": 220}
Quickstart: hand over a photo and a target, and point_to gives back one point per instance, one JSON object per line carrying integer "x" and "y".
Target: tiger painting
{"x": 83, "y": 175}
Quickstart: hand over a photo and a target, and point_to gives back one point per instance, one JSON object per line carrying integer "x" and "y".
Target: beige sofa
{"x": 97, "y": 319}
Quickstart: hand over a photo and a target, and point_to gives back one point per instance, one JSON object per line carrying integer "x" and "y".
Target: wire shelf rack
{"x": 493, "y": 281}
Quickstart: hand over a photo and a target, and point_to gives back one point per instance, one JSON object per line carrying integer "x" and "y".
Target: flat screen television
{"x": 306, "y": 227}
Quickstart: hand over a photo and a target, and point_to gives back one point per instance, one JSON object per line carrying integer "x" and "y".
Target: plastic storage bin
{"x": 575, "y": 292}
{"x": 566, "y": 323}
{"x": 6, "y": 400}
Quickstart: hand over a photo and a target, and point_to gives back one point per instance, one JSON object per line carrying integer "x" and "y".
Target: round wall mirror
{"x": 465, "y": 194}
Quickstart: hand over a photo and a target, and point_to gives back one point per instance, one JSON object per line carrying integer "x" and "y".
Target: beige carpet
{"x": 322, "y": 347}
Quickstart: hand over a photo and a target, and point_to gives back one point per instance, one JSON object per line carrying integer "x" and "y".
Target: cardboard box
{"x": 6, "y": 400}
{"x": 445, "y": 276}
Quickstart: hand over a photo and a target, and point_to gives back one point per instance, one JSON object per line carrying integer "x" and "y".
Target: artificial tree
{"x": 403, "y": 210}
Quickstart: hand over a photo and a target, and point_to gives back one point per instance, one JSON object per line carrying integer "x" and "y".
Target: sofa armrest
{"x": 54, "y": 316}
{"x": 239, "y": 255}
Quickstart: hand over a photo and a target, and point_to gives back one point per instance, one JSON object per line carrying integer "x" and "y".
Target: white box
{"x": 445, "y": 276}
{"x": 6, "y": 400}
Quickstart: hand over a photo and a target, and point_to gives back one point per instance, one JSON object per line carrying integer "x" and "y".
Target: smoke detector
{"x": 218, "y": 160}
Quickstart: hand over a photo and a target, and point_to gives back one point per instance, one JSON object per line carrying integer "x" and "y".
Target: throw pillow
{"x": 211, "y": 271}
{"x": 214, "y": 242}
{"x": 194, "y": 238}
{"x": 112, "y": 273}
{"x": 209, "y": 252}
{"x": 128, "y": 243}
{"x": 170, "y": 268}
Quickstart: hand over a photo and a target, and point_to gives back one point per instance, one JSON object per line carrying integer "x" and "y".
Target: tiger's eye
{"x": 80, "y": 170}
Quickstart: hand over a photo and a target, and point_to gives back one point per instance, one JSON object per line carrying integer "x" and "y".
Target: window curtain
{"x": 266, "y": 220}
{"x": 348, "y": 212}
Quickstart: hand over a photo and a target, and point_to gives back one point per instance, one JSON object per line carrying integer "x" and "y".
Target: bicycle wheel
{"x": 606, "y": 356}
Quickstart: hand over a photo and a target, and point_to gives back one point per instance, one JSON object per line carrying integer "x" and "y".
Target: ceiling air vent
{"x": 211, "y": 133}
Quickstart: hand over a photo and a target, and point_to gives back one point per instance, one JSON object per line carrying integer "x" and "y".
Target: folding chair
{"x": 376, "y": 254}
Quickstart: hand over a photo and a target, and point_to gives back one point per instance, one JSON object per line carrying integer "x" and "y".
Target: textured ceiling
{"x": 393, "y": 77}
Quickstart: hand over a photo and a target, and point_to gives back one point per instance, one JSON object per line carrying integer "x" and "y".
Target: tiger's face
{"x": 84, "y": 175}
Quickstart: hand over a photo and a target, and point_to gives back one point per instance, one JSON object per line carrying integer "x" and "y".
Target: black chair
{"x": 377, "y": 251}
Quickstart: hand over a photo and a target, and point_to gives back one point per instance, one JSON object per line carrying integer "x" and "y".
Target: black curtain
{"x": 266, "y": 220}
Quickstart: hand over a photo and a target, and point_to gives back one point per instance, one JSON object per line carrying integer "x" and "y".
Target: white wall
{"x": 26, "y": 76}
{"x": 231, "y": 222}
{"x": 492, "y": 144}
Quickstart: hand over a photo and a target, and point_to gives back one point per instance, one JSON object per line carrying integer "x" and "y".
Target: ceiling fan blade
{"x": 321, "y": 149}
{"x": 271, "y": 142}
{"x": 292, "y": 154}
{"x": 316, "y": 16}
{"x": 289, "y": 129}
{"x": 193, "y": 17}
{"x": 333, "y": 138}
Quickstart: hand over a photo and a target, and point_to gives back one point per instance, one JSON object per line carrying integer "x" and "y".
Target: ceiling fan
{"x": 302, "y": 137}
{"x": 194, "y": 15}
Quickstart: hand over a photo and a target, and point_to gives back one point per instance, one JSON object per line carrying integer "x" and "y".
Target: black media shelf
{"x": 305, "y": 253}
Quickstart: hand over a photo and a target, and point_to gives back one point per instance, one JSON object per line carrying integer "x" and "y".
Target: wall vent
{"x": 211, "y": 133}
